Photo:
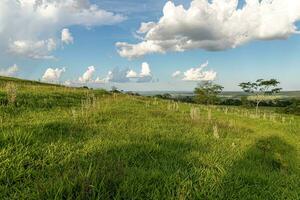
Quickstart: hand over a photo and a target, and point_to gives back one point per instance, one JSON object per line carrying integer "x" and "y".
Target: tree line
{"x": 258, "y": 93}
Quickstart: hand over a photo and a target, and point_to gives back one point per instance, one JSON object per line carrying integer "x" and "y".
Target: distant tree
{"x": 114, "y": 89}
{"x": 207, "y": 92}
{"x": 167, "y": 96}
{"x": 294, "y": 108}
{"x": 133, "y": 93}
{"x": 261, "y": 90}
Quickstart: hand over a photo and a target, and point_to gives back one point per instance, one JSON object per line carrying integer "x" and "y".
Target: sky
{"x": 151, "y": 45}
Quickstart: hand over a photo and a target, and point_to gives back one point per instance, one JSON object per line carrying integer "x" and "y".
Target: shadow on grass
{"x": 162, "y": 169}
{"x": 268, "y": 170}
{"x": 36, "y": 136}
{"x": 143, "y": 170}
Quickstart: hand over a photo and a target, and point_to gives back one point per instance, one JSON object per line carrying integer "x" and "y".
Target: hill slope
{"x": 68, "y": 143}
{"x": 4, "y": 80}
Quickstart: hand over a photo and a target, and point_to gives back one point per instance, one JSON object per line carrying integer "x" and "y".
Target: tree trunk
{"x": 256, "y": 110}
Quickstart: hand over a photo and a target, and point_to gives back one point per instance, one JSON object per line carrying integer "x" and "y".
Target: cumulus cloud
{"x": 29, "y": 27}
{"x": 132, "y": 74}
{"x": 33, "y": 49}
{"x": 116, "y": 76}
{"x": 53, "y": 75}
{"x": 88, "y": 75}
{"x": 128, "y": 75}
{"x": 198, "y": 74}
{"x": 10, "y": 71}
{"x": 66, "y": 36}
{"x": 176, "y": 74}
{"x": 146, "y": 71}
{"x": 144, "y": 76}
{"x": 68, "y": 83}
{"x": 100, "y": 81}
{"x": 214, "y": 25}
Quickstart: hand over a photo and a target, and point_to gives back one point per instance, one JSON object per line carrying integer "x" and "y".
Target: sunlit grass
{"x": 65, "y": 143}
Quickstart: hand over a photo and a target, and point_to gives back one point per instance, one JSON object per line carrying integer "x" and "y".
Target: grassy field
{"x": 67, "y": 143}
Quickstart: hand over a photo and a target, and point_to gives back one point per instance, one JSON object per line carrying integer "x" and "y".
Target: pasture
{"x": 71, "y": 143}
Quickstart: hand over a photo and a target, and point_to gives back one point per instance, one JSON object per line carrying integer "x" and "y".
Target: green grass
{"x": 67, "y": 143}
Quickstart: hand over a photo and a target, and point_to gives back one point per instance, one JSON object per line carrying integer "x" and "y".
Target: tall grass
{"x": 66, "y": 143}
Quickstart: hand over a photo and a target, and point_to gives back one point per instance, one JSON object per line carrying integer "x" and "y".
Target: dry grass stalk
{"x": 216, "y": 132}
{"x": 11, "y": 92}
{"x": 195, "y": 113}
{"x": 226, "y": 111}
{"x": 265, "y": 116}
{"x": 173, "y": 106}
{"x": 209, "y": 115}
{"x": 155, "y": 102}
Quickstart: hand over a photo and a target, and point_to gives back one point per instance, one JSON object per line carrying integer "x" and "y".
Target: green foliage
{"x": 294, "y": 108}
{"x": 261, "y": 86}
{"x": 73, "y": 143}
{"x": 164, "y": 96}
{"x": 207, "y": 93}
{"x": 231, "y": 102}
{"x": 261, "y": 90}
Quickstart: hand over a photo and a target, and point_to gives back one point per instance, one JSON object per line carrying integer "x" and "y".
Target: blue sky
{"x": 95, "y": 45}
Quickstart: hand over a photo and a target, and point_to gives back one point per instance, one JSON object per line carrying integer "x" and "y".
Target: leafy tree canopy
{"x": 207, "y": 92}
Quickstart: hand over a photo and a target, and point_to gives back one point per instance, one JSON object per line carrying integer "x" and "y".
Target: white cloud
{"x": 198, "y": 74}
{"x": 88, "y": 75}
{"x": 128, "y": 75}
{"x": 117, "y": 76}
{"x": 53, "y": 75}
{"x": 146, "y": 71}
{"x": 68, "y": 83}
{"x": 10, "y": 71}
{"x": 215, "y": 26}
{"x": 144, "y": 76}
{"x": 132, "y": 74}
{"x": 101, "y": 81}
{"x": 66, "y": 36}
{"x": 33, "y": 49}
{"x": 28, "y": 27}
{"x": 176, "y": 74}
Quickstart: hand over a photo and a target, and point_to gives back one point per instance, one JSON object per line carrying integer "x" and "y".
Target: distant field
{"x": 71, "y": 143}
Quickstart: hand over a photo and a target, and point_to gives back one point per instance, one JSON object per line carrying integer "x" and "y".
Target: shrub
{"x": 231, "y": 102}
{"x": 294, "y": 108}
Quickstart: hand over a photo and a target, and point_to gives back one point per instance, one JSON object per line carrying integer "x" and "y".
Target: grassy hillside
{"x": 4, "y": 80}
{"x": 67, "y": 143}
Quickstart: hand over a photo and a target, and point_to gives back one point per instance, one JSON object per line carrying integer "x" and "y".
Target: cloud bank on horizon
{"x": 116, "y": 75}
{"x": 36, "y": 23}
{"x": 214, "y": 26}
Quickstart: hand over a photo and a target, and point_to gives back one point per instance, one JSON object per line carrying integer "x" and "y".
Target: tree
{"x": 261, "y": 90}
{"x": 207, "y": 92}
{"x": 114, "y": 89}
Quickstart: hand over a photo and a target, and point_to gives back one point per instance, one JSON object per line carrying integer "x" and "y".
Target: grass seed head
{"x": 216, "y": 132}
{"x": 11, "y": 92}
{"x": 195, "y": 113}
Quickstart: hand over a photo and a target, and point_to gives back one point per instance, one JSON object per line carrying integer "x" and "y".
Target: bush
{"x": 231, "y": 102}
{"x": 133, "y": 93}
{"x": 294, "y": 108}
{"x": 164, "y": 96}
{"x": 274, "y": 103}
